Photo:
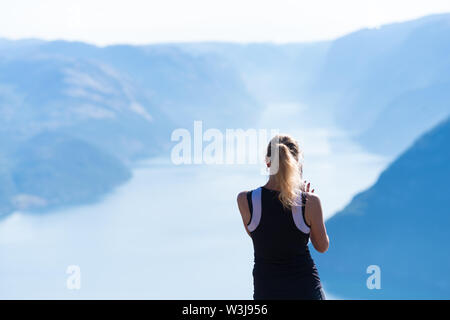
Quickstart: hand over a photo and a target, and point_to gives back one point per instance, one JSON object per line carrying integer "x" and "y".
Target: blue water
{"x": 171, "y": 232}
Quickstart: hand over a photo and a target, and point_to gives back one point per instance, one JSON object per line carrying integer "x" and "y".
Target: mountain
{"x": 367, "y": 82}
{"x": 400, "y": 224}
{"x": 103, "y": 107}
{"x": 374, "y": 79}
{"x": 182, "y": 86}
{"x": 87, "y": 100}
{"x": 163, "y": 85}
{"x": 53, "y": 170}
{"x": 270, "y": 72}
{"x": 123, "y": 101}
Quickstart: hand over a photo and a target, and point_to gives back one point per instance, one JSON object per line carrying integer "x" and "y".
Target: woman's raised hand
{"x": 308, "y": 186}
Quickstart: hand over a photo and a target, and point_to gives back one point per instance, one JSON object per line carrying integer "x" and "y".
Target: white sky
{"x": 147, "y": 21}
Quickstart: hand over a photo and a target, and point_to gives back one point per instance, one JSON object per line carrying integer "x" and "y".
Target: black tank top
{"x": 283, "y": 267}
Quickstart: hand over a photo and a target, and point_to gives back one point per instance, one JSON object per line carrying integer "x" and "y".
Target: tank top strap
{"x": 254, "y": 204}
{"x": 298, "y": 214}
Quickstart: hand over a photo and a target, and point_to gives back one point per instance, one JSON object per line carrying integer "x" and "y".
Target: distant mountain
{"x": 124, "y": 101}
{"x": 407, "y": 115}
{"x": 168, "y": 84}
{"x": 374, "y": 79}
{"x": 88, "y": 100}
{"x": 271, "y": 72}
{"x": 52, "y": 170}
{"x": 367, "y": 82}
{"x": 77, "y": 171}
{"x": 113, "y": 105}
{"x": 182, "y": 86}
{"x": 400, "y": 224}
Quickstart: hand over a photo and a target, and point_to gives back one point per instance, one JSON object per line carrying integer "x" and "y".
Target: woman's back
{"x": 283, "y": 266}
{"x": 280, "y": 235}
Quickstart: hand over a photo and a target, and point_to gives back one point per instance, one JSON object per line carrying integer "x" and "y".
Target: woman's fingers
{"x": 308, "y": 186}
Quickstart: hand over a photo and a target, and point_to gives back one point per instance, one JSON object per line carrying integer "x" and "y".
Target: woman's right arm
{"x": 314, "y": 217}
{"x": 244, "y": 209}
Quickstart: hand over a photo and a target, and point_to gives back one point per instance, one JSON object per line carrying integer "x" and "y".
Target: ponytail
{"x": 289, "y": 170}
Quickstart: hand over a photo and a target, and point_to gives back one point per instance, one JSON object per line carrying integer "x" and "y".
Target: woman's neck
{"x": 272, "y": 184}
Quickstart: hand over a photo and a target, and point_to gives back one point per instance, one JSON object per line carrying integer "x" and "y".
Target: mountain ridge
{"x": 400, "y": 223}
{"x": 125, "y": 100}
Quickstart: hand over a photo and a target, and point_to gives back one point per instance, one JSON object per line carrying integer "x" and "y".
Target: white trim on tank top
{"x": 297, "y": 215}
{"x": 256, "y": 213}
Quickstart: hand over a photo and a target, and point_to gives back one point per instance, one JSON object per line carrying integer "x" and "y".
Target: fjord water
{"x": 171, "y": 232}
{"x": 174, "y": 231}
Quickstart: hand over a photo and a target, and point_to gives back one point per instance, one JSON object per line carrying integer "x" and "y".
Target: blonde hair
{"x": 285, "y": 165}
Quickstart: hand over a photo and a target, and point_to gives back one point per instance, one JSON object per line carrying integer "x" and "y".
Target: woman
{"x": 281, "y": 217}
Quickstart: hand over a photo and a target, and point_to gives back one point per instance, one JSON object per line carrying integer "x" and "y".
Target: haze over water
{"x": 171, "y": 232}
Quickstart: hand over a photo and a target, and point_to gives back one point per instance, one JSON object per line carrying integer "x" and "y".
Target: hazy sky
{"x": 144, "y": 21}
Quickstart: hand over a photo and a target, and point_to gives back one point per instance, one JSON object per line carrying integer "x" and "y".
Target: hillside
{"x": 97, "y": 111}
{"x": 400, "y": 224}
{"x": 123, "y": 101}
{"x": 52, "y": 170}
{"x": 372, "y": 79}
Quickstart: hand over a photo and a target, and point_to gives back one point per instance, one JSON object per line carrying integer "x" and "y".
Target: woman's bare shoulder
{"x": 313, "y": 206}
{"x": 312, "y": 198}
{"x": 242, "y": 197}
